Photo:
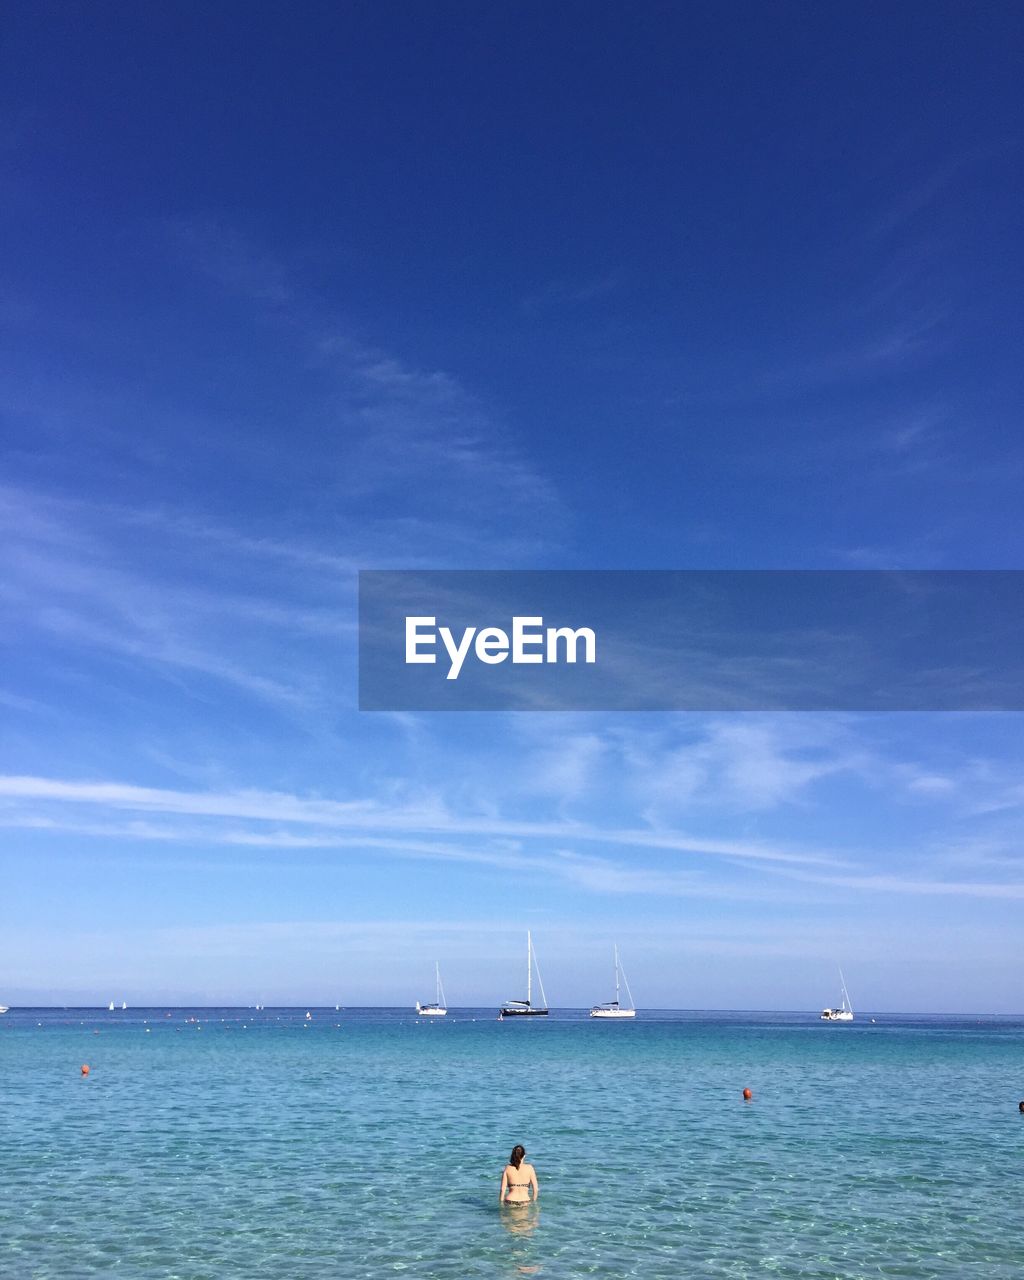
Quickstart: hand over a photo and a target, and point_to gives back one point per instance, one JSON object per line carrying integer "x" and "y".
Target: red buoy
{"x": 747, "y": 1095}
{"x": 85, "y": 1068}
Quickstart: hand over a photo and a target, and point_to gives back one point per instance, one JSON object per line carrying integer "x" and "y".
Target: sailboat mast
{"x": 616, "y": 973}
{"x": 529, "y": 964}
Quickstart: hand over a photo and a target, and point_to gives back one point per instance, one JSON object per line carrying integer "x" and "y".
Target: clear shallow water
{"x": 370, "y": 1143}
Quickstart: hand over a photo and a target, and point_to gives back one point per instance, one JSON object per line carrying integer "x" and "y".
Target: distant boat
{"x": 123, "y": 1005}
{"x": 844, "y": 1013}
{"x": 110, "y": 1007}
{"x": 4, "y": 1008}
{"x": 526, "y": 1008}
{"x": 439, "y": 1008}
{"x": 613, "y": 1009}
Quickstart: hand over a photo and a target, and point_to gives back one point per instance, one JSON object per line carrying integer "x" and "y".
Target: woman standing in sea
{"x": 517, "y": 1178}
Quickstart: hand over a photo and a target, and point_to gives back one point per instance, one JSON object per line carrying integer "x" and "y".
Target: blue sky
{"x": 289, "y": 293}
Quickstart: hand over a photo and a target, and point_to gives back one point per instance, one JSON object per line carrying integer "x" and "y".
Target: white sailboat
{"x": 4, "y": 1008}
{"x": 123, "y": 1006}
{"x": 439, "y": 1008}
{"x": 844, "y": 1013}
{"x": 613, "y": 1008}
{"x": 526, "y": 1008}
{"x": 110, "y": 1007}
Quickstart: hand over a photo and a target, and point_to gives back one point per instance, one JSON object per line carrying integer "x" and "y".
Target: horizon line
{"x": 410, "y": 1008}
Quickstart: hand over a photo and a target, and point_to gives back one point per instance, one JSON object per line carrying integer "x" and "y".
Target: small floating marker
{"x": 85, "y": 1068}
{"x": 309, "y": 1016}
{"x": 748, "y": 1095}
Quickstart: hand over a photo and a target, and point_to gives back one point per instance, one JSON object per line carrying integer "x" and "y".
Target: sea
{"x": 214, "y": 1144}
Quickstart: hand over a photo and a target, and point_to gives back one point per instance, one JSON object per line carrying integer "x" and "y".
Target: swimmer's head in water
{"x": 1020, "y": 1107}
{"x": 516, "y": 1157}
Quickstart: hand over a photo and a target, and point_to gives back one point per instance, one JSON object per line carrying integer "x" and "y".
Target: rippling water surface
{"x": 229, "y": 1143}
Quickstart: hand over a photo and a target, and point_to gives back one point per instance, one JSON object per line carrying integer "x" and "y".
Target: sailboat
{"x": 439, "y": 1008}
{"x": 110, "y": 1007}
{"x": 526, "y": 1008}
{"x": 613, "y": 1009}
{"x": 845, "y": 1011}
{"x": 4, "y": 1008}
{"x": 123, "y": 1006}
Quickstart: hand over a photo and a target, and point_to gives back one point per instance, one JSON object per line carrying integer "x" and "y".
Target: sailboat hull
{"x": 523, "y": 1013}
{"x": 613, "y": 1013}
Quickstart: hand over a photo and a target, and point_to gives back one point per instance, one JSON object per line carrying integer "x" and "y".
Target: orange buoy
{"x": 85, "y": 1068}
{"x": 747, "y": 1095}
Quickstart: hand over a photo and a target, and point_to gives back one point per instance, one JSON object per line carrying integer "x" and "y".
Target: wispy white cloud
{"x": 754, "y": 763}
{"x": 548, "y": 849}
{"x": 419, "y": 438}
{"x": 386, "y": 464}
{"x": 63, "y": 582}
{"x": 915, "y": 197}
{"x": 17, "y": 702}
{"x": 566, "y": 292}
{"x": 371, "y": 815}
{"x": 921, "y": 886}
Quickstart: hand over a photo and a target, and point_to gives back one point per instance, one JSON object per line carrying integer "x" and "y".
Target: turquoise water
{"x": 370, "y": 1143}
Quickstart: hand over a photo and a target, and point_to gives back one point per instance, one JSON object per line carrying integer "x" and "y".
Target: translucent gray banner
{"x": 688, "y": 640}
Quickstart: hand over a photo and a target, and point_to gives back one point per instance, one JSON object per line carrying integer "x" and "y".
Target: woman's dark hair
{"x": 516, "y": 1157}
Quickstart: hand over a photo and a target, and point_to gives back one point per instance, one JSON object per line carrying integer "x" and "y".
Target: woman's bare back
{"x": 516, "y": 1183}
